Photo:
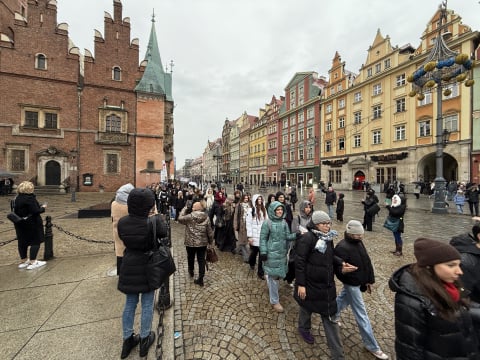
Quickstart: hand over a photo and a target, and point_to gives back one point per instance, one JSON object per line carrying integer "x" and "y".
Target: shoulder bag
{"x": 160, "y": 264}
{"x": 13, "y": 217}
{"x": 212, "y": 256}
{"x": 391, "y": 223}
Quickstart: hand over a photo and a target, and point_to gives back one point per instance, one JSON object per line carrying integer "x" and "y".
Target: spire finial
{"x": 153, "y": 15}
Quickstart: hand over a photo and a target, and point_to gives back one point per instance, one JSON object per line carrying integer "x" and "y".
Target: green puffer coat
{"x": 274, "y": 242}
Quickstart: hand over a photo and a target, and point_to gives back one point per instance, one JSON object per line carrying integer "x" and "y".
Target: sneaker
{"x": 379, "y": 354}
{"x": 36, "y": 265}
{"x": 24, "y": 264}
{"x": 278, "y": 308}
{"x": 307, "y": 336}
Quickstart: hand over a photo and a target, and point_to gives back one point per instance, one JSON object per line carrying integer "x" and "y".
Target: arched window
{"x": 116, "y": 73}
{"x": 41, "y": 62}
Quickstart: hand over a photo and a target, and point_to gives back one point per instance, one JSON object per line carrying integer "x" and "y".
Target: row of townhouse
{"x": 356, "y": 127}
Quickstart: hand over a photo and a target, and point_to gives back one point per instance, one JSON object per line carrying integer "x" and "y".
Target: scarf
{"x": 323, "y": 239}
{"x": 452, "y": 291}
{"x": 220, "y": 198}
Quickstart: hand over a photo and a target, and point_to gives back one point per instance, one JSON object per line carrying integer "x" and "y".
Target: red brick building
{"x": 90, "y": 120}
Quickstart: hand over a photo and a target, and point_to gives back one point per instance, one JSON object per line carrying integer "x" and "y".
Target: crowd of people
{"x": 437, "y": 298}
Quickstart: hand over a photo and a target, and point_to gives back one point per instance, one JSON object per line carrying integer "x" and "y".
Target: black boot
{"x": 129, "y": 344}
{"x": 198, "y": 281}
{"x": 399, "y": 251}
{"x": 145, "y": 344}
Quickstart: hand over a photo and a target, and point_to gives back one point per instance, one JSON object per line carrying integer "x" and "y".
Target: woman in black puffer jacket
{"x": 432, "y": 318}
{"x": 137, "y": 235}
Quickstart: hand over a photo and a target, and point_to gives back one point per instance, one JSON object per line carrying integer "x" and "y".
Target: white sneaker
{"x": 36, "y": 265}
{"x": 24, "y": 264}
{"x": 379, "y": 354}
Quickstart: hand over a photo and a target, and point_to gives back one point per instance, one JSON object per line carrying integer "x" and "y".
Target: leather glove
{"x": 263, "y": 257}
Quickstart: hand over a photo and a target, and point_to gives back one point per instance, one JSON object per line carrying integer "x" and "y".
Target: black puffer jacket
{"x": 353, "y": 252}
{"x": 470, "y": 263}
{"x": 315, "y": 271}
{"x": 137, "y": 236}
{"x": 423, "y": 335}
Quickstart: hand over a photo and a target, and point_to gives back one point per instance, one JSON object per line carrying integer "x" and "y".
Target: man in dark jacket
{"x": 468, "y": 245}
{"x": 370, "y": 208}
{"x": 315, "y": 289}
{"x": 352, "y": 251}
{"x": 137, "y": 235}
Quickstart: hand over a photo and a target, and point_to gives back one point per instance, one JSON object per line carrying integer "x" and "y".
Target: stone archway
{"x": 358, "y": 180}
{"x": 427, "y": 168}
{"x": 52, "y": 173}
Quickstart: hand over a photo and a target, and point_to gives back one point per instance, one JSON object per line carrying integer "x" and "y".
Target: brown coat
{"x": 118, "y": 211}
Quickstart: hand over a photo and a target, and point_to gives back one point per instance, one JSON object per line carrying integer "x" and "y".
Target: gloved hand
{"x": 263, "y": 257}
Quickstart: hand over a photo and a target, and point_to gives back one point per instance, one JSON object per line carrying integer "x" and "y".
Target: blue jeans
{"x": 128, "y": 317}
{"x": 273, "y": 289}
{"x": 331, "y": 210}
{"x": 351, "y": 295}
{"x": 397, "y": 235}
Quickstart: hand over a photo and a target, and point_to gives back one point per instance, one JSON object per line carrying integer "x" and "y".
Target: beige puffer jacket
{"x": 198, "y": 229}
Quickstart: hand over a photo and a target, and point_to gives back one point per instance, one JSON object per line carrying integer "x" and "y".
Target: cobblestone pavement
{"x": 230, "y": 318}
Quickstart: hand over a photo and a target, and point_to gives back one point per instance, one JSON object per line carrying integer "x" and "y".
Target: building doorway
{"x": 358, "y": 180}
{"x": 52, "y": 173}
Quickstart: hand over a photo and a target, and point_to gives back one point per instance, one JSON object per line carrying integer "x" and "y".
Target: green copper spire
{"x": 154, "y": 79}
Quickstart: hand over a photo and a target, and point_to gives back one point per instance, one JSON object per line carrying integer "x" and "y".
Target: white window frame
{"x": 400, "y": 80}
{"x": 424, "y": 128}
{"x": 400, "y": 132}
{"x": 377, "y": 89}
{"x": 376, "y": 137}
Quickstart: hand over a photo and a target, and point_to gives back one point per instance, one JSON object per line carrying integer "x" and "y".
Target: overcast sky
{"x": 231, "y": 56}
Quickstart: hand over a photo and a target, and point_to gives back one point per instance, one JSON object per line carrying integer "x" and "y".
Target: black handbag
{"x": 212, "y": 256}
{"x": 14, "y": 218}
{"x": 160, "y": 264}
{"x": 373, "y": 210}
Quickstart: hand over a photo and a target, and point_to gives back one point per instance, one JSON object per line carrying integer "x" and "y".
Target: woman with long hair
{"x": 217, "y": 218}
{"x": 240, "y": 226}
{"x": 254, "y": 223}
{"x": 432, "y": 317}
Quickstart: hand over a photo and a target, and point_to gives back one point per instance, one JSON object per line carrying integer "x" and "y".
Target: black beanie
{"x": 430, "y": 252}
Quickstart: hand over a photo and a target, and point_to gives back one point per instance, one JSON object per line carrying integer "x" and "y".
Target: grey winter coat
{"x": 274, "y": 242}
{"x": 198, "y": 228}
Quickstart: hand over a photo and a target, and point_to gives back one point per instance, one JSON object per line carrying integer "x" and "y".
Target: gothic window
{"x": 113, "y": 123}
{"x": 116, "y": 73}
{"x": 31, "y": 119}
{"x": 41, "y": 62}
{"x": 50, "y": 120}
{"x": 17, "y": 160}
{"x": 111, "y": 163}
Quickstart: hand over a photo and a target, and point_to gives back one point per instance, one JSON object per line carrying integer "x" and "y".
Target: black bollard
{"x": 48, "y": 239}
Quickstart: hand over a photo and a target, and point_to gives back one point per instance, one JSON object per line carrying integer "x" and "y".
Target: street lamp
{"x": 217, "y": 157}
{"x": 443, "y": 68}
{"x": 73, "y": 168}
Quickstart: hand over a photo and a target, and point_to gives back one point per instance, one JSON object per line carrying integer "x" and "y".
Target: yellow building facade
{"x": 373, "y": 131}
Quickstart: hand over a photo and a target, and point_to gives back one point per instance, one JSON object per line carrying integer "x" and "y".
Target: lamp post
{"x": 217, "y": 157}
{"x": 73, "y": 168}
{"x": 443, "y": 68}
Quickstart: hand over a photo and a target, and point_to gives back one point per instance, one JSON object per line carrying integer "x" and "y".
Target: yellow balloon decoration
{"x": 461, "y": 58}
{"x": 447, "y": 92}
{"x": 469, "y": 83}
{"x": 412, "y": 93}
{"x": 430, "y": 83}
{"x": 446, "y": 77}
{"x": 410, "y": 78}
{"x": 430, "y": 66}
{"x": 420, "y": 97}
{"x": 461, "y": 77}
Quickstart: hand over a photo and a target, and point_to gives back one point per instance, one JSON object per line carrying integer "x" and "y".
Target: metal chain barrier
{"x": 59, "y": 228}
{"x": 3, "y": 243}
{"x": 160, "y": 333}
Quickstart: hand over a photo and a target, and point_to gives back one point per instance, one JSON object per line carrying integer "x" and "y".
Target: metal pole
{"x": 439, "y": 205}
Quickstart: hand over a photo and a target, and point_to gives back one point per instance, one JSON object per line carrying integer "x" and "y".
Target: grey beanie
{"x": 319, "y": 217}
{"x": 354, "y": 227}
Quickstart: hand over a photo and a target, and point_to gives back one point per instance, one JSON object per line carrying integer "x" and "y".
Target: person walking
{"x": 330, "y": 200}
{"x": 274, "y": 241}
{"x": 293, "y": 197}
{"x": 432, "y": 320}
{"x": 468, "y": 245}
{"x": 315, "y": 290}
{"x": 29, "y": 231}
{"x": 340, "y": 207}
{"x": 243, "y": 208}
{"x": 254, "y": 222}
{"x": 311, "y": 197}
{"x": 370, "y": 206}
{"x": 299, "y": 225}
{"x": 137, "y": 235}
{"x": 472, "y": 199}
{"x": 280, "y": 197}
{"x": 352, "y": 250}
{"x": 396, "y": 211}
{"x": 217, "y": 218}
{"x": 179, "y": 204}
{"x": 119, "y": 209}
{"x": 198, "y": 235}
{"x": 459, "y": 200}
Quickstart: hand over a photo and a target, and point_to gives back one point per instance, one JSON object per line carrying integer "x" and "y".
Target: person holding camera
{"x": 198, "y": 234}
